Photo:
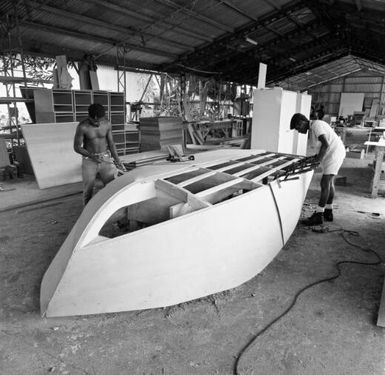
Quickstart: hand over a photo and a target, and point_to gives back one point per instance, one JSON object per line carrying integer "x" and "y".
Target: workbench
{"x": 379, "y": 158}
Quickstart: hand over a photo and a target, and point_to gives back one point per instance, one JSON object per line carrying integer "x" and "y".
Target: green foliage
{"x": 35, "y": 66}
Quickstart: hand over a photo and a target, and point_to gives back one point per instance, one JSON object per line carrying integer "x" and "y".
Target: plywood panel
{"x": 350, "y": 103}
{"x": 272, "y": 111}
{"x": 142, "y": 269}
{"x": 50, "y": 148}
{"x": 4, "y": 158}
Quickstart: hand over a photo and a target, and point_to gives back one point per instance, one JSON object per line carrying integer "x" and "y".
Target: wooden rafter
{"x": 221, "y": 43}
{"x": 105, "y": 25}
{"x": 96, "y": 38}
{"x": 195, "y": 14}
{"x": 152, "y": 20}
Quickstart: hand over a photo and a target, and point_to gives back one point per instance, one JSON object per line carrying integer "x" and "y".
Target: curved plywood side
{"x": 210, "y": 250}
{"x": 207, "y": 251}
{"x": 87, "y": 228}
{"x": 99, "y": 208}
{"x": 290, "y": 196}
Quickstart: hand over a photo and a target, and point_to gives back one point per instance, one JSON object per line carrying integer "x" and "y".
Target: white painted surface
{"x": 207, "y": 251}
{"x": 262, "y": 75}
{"x": 300, "y": 140}
{"x": 50, "y": 148}
{"x": 350, "y": 103}
{"x": 176, "y": 261}
{"x": 272, "y": 111}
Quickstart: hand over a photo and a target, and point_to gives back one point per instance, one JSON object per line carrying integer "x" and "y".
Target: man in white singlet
{"x": 330, "y": 154}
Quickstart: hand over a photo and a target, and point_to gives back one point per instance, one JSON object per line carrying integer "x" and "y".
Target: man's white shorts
{"x": 332, "y": 162}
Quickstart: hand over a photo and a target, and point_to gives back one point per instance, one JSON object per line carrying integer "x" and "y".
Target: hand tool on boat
{"x": 176, "y": 154}
{"x": 303, "y": 165}
{"x": 174, "y": 158}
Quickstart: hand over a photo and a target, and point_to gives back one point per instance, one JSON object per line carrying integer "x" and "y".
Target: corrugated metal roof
{"x": 227, "y": 37}
{"x": 329, "y": 72}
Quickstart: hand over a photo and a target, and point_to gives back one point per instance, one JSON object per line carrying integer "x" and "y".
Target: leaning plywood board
{"x": 350, "y": 103}
{"x": 50, "y": 148}
{"x": 226, "y": 230}
{"x": 381, "y": 311}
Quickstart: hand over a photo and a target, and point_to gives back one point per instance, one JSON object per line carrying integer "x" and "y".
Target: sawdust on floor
{"x": 330, "y": 330}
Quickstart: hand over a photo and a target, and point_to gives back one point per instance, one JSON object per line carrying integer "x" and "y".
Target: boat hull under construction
{"x": 191, "y": 229}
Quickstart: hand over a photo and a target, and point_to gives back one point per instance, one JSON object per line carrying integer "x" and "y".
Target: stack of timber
{"x": 158, "y": 132}
{"x": 143, "y": 158}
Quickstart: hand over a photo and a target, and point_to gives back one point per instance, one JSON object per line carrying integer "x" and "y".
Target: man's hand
{"x": 96, "y": 158}
{"x": 120, "y": 166}
{"x": 314, "y": 159}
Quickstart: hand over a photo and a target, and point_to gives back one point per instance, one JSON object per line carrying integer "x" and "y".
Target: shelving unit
{"x": 81, "y": 100}
{"x": 62, "y": 105}
{"x": 59, "y": 106}
{"x": 117, "y": 118}
{"x": 132, "y": 141}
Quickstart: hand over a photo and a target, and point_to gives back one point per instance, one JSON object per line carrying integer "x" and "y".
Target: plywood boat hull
{"x": 213, "y": 246}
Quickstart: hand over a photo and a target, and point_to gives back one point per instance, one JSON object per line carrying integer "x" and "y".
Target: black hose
{"x": 251, "y": 342}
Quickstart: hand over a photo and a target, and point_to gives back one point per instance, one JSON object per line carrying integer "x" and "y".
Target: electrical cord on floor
{"x": 247, "y": 347}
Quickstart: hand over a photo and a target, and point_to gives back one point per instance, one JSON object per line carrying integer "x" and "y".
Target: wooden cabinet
{"x": 59, "y": 106}
{"x": 272, "y": 112}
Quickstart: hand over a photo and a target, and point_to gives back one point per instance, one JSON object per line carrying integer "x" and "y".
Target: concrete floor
{"x": 330, "y": 330}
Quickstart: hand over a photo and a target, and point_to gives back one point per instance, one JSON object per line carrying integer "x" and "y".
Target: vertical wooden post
{"x": 377, "y": 171}
{"x": 262, "y": 75}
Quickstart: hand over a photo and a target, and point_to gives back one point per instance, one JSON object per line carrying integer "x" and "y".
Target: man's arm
{"x": 78, "y": 144}
{"x": 323, "y": 149}
{"x": 112, "y": 147}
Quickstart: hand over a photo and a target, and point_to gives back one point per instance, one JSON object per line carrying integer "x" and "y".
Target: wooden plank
{"x": 50, "y": 148}
{"x": 180, "y": 194}
{"x": 226, "y": 184}
{"x": 243, "y": 173}
{"x": 377, "y": 171}
{"x": 240, "y": 188}
{"x": 9, "y": 100}
{"x": 4, "y": 157}
{"x": 272, "y": 170}
{"x": 197, "y": 178}
{"x": 381, "y": 311}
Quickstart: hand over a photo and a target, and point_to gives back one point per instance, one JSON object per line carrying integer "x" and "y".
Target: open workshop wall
{"x": 371, "y": 84}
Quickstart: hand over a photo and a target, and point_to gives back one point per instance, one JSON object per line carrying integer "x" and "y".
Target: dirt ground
{"x": 330, "y": 330}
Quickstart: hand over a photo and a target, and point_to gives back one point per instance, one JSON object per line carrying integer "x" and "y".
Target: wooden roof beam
{"x": 276, "y": 73}
{"x": 95, "y": 38}
{"x": 307, "y": 64}
{"x": 246, "y": 15}
{"x": 37, "y": 48}
{"x": 195, "y": 15}
{"x": 220, "y": 43}
{"x": 258, "y": 50}
{"x": 100, "y": 23}
{"x": 147, "y": 18}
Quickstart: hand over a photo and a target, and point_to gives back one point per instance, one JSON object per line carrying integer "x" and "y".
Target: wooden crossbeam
{"x": 272, "y": 170}
{"x": 219, "y": 187}
{"x": 244, "y": 172}
{"x": 197, "y": 178}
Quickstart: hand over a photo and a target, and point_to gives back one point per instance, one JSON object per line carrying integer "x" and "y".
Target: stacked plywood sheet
{"x": 158, "y": 132}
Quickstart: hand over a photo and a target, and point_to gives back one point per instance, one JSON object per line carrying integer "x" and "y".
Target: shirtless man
{"x": 93, "y": 140}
